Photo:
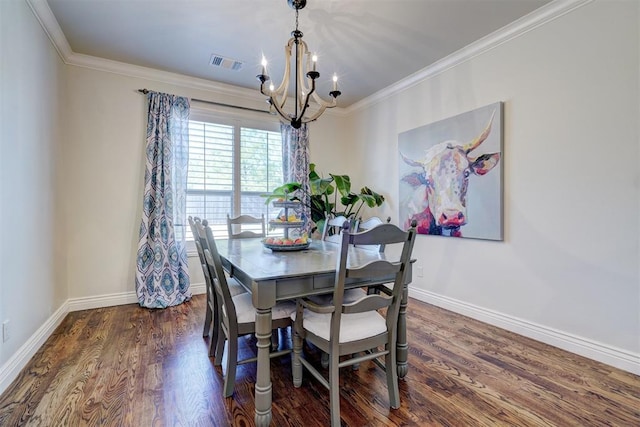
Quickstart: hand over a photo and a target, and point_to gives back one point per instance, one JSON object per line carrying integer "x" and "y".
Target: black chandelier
{"x": 305, "y": 82}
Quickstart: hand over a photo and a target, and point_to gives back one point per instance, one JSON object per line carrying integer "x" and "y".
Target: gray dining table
{"x": 272, "y": 276}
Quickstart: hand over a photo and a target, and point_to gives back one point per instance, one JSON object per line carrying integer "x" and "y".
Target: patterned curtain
{"x": 162, "y": 274}
{"x": 295, "y": 164}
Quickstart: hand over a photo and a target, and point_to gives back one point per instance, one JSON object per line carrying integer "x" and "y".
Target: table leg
{"x": 263, "y": 377}
{"x": 402, "y": 348}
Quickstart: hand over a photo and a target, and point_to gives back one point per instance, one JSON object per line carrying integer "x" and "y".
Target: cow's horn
{"x": 480, "y": 139}
{"x": 409, "y": 161}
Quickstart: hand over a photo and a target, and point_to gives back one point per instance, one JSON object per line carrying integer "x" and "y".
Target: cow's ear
{"x": 484, "y": 163}
{"x": 415, "y": 179}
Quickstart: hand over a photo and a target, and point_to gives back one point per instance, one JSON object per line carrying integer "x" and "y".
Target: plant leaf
{"x": 285, "y": 191}
{"x": 349, "y": 199}
{"x": 343, "y": 184}
{"x": 368, "y": 199}
{"x": 378, "y": 198}
{"x": 321, "y": 186}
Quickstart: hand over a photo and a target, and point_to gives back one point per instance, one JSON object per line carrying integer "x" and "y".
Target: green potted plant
{"x": 323, "y": 197}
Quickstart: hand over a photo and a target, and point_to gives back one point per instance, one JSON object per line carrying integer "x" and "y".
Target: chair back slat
{"x": 368, "y": 224}
{"x": 205, "y": 270}
{"x": 368, "y": 303}
{"x": 196, "y": 237}
{"x": 239, "y": 221}
{"x": 381, "y": 234}
{"x": 333, "y": 227}
{"x": 374, "y": 269}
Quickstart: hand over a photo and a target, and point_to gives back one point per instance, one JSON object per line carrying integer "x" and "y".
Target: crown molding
{"x": 533, "y": 20}
{"x": 47, "y": 20}
{"x": 130, "y": 70}
{"x": 50, "y": 25}
{"x": 547, "y": 13}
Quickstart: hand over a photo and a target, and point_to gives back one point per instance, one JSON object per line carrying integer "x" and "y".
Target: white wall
{"x": 32, "y": 279}
{"x": 568, "y": 266}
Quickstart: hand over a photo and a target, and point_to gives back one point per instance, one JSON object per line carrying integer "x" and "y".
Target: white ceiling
{"x": 370, "y": 44}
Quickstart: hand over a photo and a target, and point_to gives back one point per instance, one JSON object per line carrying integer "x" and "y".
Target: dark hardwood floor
{"x": 129, "y": 366}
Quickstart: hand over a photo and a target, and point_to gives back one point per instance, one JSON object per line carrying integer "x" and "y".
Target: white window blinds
{"x": 230, "y": 166}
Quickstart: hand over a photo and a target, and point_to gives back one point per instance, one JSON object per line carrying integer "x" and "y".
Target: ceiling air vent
{"x": 227, "y": 63}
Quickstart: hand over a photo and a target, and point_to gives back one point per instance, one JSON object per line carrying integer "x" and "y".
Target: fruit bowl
{"x": 281, "y": 245}
{"x": 281, "y": 223}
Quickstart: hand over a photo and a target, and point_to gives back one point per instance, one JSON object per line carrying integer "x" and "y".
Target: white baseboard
{"x": 609, "y": 355}
{"x": 11, "y": 369}
{"x": 110, "y": 300}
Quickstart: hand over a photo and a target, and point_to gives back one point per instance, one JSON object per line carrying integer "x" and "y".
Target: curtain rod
{"x": 146, "y": 91}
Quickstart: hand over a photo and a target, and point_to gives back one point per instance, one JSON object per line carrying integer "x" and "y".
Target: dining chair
{"x": 253, "y": 222}
{"x": 211, "y": 305}
{"x": 211, "y": 318}
{"x": 248, "y": 220}
{"x": 342, "y": 329}
{"x": 368, "y": 224}
{"x": 237, "y": 316}
{"x": 332, "y": 233}
{"x": 333, "y": 228}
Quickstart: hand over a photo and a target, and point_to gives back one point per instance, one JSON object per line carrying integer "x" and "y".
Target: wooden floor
{"x": 129, "y": 366}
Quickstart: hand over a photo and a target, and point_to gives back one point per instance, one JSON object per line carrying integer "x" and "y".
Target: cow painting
{"x": 439, "y": 181}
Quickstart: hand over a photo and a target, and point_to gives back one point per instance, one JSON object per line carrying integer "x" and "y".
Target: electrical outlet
{"x": 6, "y": 331}
{"x": 420, "y": 271}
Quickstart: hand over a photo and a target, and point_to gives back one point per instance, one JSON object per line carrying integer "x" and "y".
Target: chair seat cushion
{"x": 353, "y": 327}
{"x": 350, "y": 295}
{"x": 246, "y": 313}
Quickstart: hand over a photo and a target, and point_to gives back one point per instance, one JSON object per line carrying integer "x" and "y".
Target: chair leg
{"x": 207, "y": 321}
{"x": 213, "y": 347}
{"x": 218, "y": 349}
{"x": 296, "y": 365}
{"x": 324, "y": 360}
{"x": 334, "y": 389}
{"x": 392, "y": 377}
{"x": 232, "y": 364}
{"x": 213, "y": 344}
{"x": 274, "y": 340}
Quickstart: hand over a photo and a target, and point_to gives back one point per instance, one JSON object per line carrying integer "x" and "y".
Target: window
{"x": 230, "y": 167}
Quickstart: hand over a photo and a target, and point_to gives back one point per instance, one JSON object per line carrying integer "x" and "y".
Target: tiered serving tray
{"x": 286, "y": 225}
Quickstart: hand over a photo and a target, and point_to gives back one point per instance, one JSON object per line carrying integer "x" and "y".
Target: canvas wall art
{"x": 451, "y": 175}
